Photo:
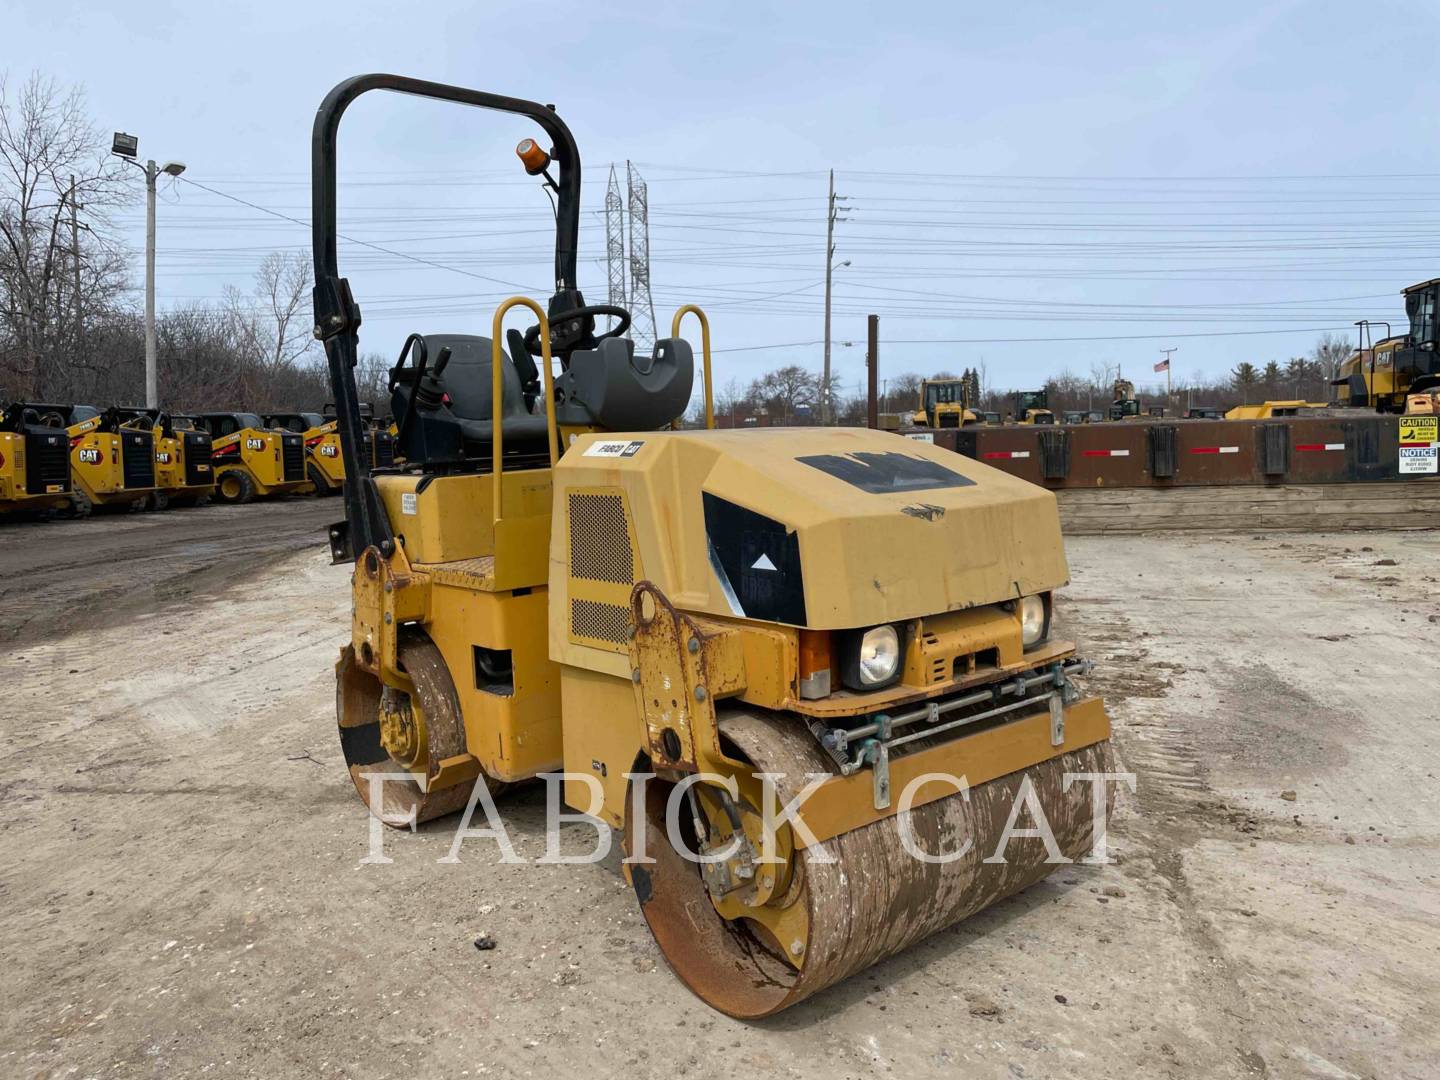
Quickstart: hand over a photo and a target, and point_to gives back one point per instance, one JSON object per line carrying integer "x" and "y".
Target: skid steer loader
{"x": 111, "y": 465}
{"x": 183, "y": 474}
{"x": 324, "y": 465}
{"x": 34, "y": 462}
{"x": 703, "y": 628}
{"x": 251, "y": 460}
{"x": 322, "y": 449}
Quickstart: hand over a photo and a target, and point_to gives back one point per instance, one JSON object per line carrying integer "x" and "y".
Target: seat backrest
{"x": 608, "y": 388}
{"x": 468, "y": 379}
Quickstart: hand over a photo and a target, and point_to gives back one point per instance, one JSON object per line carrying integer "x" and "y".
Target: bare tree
{"x": 902, "y": 392}
{"x": 372, "y": 373}
{"x": 52, "y": 165}
{"x": 273, "y": 324}
{"x": 786, "y": 390}
{"x": 1329, "y": 353}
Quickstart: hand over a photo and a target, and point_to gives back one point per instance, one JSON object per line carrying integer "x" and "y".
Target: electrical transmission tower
{"x": 615, "y": 240}
{"x": 642, "y": 308}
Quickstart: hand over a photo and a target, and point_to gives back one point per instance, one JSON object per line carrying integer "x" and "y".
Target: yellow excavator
{"x": 767, "y": 657}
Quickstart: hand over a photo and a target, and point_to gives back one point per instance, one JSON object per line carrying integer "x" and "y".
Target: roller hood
{"x": 829, "y": 528}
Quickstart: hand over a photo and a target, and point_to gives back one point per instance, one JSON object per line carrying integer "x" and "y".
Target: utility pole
{"x": 75, "y": 255}
{"x": 872, "y": 365}
{"x": 831, "y": 216}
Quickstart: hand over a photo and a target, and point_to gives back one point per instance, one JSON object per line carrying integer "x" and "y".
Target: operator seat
{"x": 453, "y": 418}
{"x": 469, "y": 383}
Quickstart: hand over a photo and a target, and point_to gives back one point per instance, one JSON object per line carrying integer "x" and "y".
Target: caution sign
{"x": 1419, "y": 444}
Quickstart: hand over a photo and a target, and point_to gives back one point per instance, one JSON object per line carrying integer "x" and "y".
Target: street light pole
{"x": 125, "y": 147}
{"x": 152, "y": 370}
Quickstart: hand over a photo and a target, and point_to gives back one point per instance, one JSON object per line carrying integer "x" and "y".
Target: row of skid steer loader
{"x": 325, "y": 467}
{"x": 56, "y": 457}
{"x": 74, "y": 457}
{"x": 697, "y": 626}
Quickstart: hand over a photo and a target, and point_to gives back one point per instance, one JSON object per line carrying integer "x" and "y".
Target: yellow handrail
{"x": 691, "y": 309}
{"x": 497, "y": 391}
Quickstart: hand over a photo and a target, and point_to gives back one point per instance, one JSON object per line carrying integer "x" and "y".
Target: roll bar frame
{"x": 337, "y": 316}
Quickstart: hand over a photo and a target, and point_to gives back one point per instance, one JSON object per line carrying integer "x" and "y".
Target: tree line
{"x": 69, "y": 331}
{"x": 792, "y": 394}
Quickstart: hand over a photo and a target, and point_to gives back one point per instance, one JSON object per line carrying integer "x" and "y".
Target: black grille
{"x": 197, "y": 459}
{"x": 384, "y": 455}
{"x": 137, "y": 458}
{"x": 292, "y": 455}
{"x": 948, "y": 420}
{"x": 47, "y": 461}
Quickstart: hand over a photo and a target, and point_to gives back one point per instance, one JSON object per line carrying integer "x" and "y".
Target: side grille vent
{"x": 600, "y": 540}
{"x": 292, "y": 455}
{"x": 197, "y": 459}
{"x": 137, "y": 459}
{"x": 602, "y": 569}
{"x": 47, "y": 462}
{"x": 599, "y": 622}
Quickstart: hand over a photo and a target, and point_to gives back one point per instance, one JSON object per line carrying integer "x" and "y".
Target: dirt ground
{"x": 181, "y": 892}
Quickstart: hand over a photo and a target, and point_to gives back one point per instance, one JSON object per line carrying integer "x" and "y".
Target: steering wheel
{"x": 532, "y": 336}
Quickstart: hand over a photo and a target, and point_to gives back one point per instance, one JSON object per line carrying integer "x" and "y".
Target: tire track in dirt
{"x": 1175, "y": 808}
{"x": 68, "y": 576}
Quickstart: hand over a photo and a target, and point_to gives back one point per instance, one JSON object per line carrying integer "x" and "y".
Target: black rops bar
{"x": 337, "y": 316}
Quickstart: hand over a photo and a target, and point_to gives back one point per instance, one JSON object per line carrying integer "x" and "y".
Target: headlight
{"x": 872, "y": 658}
{"x": 1034, "y": 620}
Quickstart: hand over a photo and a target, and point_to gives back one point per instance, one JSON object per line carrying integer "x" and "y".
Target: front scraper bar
{"x": 873, "y": 741}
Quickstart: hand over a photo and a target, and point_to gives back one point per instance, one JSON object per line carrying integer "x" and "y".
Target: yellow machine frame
{"x": 472, "y": 568}
{"x": 253, "y": 454}
{"x": 15, "y": 494}
{"x": 720, "y": 623}
{"x": 171, "y": 466}
{"x": 935, "y": 417}
{"x": 98, "y": 460}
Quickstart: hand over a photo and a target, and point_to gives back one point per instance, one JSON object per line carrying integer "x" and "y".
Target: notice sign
{"x": 1419, "y": 444}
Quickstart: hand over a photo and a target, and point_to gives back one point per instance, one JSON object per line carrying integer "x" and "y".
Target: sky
{"x": 1032, "y": 188}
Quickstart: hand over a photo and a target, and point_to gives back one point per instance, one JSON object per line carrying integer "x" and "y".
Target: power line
{"x": 354, "y": 240}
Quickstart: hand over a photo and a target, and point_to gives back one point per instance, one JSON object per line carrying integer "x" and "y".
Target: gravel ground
{"x": 181, "y": 889}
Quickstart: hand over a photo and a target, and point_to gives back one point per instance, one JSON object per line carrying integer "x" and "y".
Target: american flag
{"x": 1163, "y": 365}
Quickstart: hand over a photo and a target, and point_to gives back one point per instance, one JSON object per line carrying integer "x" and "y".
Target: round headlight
{"x": 879, "y": 655}
{"x": 1034, "y": 620}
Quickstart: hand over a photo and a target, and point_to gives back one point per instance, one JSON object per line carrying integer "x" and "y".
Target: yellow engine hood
{"x": 830, "y": 528}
